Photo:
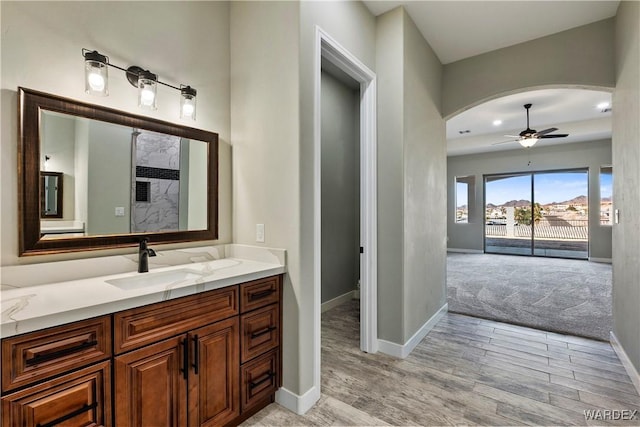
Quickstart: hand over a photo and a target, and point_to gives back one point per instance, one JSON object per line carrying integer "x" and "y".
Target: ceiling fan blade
{"x": 546, "y": 131}
{"x": 504, "y": 142}
{"x": 511, "y": 136}
{"x": 555, "y": 135}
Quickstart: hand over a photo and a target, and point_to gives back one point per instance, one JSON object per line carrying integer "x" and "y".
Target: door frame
{"x": 328, "y": 48}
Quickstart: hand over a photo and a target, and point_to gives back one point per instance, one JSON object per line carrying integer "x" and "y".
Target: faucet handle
{"x": 151, "y": 252}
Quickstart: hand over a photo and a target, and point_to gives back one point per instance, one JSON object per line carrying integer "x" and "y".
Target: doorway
{"x": 340, "y": 187}
{"x": 326, "y": 48}
{"x": 538, "y": 214}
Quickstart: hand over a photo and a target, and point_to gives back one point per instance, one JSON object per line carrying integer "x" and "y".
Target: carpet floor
{"x": 559, "y": 295}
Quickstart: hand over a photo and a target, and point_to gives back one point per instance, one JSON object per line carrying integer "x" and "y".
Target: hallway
{"x": 466, "y": 371}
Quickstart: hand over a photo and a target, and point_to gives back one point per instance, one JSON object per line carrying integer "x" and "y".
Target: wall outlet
{"x": 260, "y": 233}
{"x": 119, "y": 211}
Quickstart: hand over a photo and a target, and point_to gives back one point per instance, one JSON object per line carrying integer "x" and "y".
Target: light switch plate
{"x": 119, "y": 211}
{"x": 260, "y": 233}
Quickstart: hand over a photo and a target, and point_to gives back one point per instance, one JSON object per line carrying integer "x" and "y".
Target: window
{"x": 464, "y": 198}
{"x": 606, "y": 195}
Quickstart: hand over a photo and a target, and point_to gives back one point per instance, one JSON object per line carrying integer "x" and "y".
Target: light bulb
{"x": 96, "y": 81}
{"x": 147, "y": 96}
{"x": 187, "y": 110}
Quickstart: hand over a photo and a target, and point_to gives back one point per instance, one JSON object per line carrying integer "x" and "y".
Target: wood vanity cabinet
{"x": 220, "y": 365}
{"x": 208, "y": 359}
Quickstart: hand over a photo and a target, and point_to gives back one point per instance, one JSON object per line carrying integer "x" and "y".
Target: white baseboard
{"x": 295, "y": 403}
{"x": 339, "y": 300}
{"x": 402, "y": 351}
{"x": 465, "y": 251}
{"x": 626, "y": 362}
{"x": 602, "y": 260}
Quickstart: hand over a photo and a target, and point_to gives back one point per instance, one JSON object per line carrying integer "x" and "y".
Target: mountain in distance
{"x": 580, "y": 200}
{"x": 517, "y": 203}
{"x": 510, "y": 203}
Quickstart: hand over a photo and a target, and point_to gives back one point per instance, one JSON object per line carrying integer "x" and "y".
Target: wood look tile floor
{"x": 466, "y": 371}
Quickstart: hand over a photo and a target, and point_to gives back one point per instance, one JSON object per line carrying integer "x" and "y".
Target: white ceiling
{"x": 461, "y": 29}
{"x": 572, "y": 111}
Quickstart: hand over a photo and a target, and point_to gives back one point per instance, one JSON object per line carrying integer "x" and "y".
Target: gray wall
{"x": 108, "y": 178}
{"x": 389, "y": 61}
{"x": 266, "y": 155}
{"x": 340, "y": 188}
{"x": 590, "y": 155}
{"x": 581, "y": 56}
{"x": 411, "y": 179}
{"x": 424, "y": 182}
{"x": 626, "y": 169}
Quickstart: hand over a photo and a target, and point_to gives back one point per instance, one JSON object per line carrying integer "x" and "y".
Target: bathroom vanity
{"x": 196, "y": 344}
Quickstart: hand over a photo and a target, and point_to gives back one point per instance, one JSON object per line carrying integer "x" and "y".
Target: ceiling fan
{"x": 528, "y": 137}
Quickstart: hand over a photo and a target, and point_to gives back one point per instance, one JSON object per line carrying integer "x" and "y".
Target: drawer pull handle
{"x": 196, "y": 354}
{"x": 258, "y": 295}
{"x": 268, "y": 377}
{"x": 70, "y": 415}
{"x": 263, "y": 331}
{"x": 39, "y": 358}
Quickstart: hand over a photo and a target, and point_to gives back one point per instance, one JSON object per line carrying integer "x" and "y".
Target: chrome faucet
{"x": 144, "y": 253}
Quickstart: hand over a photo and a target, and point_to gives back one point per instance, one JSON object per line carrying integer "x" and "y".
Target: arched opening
{"x": 551, "y": 201}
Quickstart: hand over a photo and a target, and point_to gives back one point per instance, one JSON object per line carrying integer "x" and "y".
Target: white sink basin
{"x": 144, "y": 280}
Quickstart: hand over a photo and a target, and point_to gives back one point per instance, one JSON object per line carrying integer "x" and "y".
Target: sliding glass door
{"x": 541, "y": 213}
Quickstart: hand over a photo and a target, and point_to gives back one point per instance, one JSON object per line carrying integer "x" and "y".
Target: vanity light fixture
{"x": 97, "y": 83}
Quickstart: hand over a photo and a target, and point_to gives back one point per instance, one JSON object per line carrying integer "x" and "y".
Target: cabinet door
{"x": 150, "y": 385}
{"x": 214, "y": 380}
{"x": 81, "y": 398}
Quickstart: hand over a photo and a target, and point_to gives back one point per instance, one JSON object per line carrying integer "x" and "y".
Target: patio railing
{"x": 560, "y": 230}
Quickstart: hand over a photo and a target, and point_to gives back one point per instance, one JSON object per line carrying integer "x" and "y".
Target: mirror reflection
{"x": 51, "y": 194}
{"x": 118, "y": 179}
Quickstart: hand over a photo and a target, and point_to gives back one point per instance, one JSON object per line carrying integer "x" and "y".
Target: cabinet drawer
{"x": 260, "y": 331}
{"x": 145, "y": 325}
{"x": 38, "y": 355}
{"x": 82, "y": 398}
{"x": 260, "y": 379}
{"x": 259, "y": 293}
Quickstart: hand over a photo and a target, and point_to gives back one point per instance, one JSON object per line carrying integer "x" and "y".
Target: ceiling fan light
{"x": 528, "y": 142}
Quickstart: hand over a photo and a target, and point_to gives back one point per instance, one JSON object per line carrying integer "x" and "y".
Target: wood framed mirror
{"x": 127, "y": 177}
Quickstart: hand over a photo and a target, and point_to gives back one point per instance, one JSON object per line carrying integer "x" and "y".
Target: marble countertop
{"x": 31, "y": 308}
